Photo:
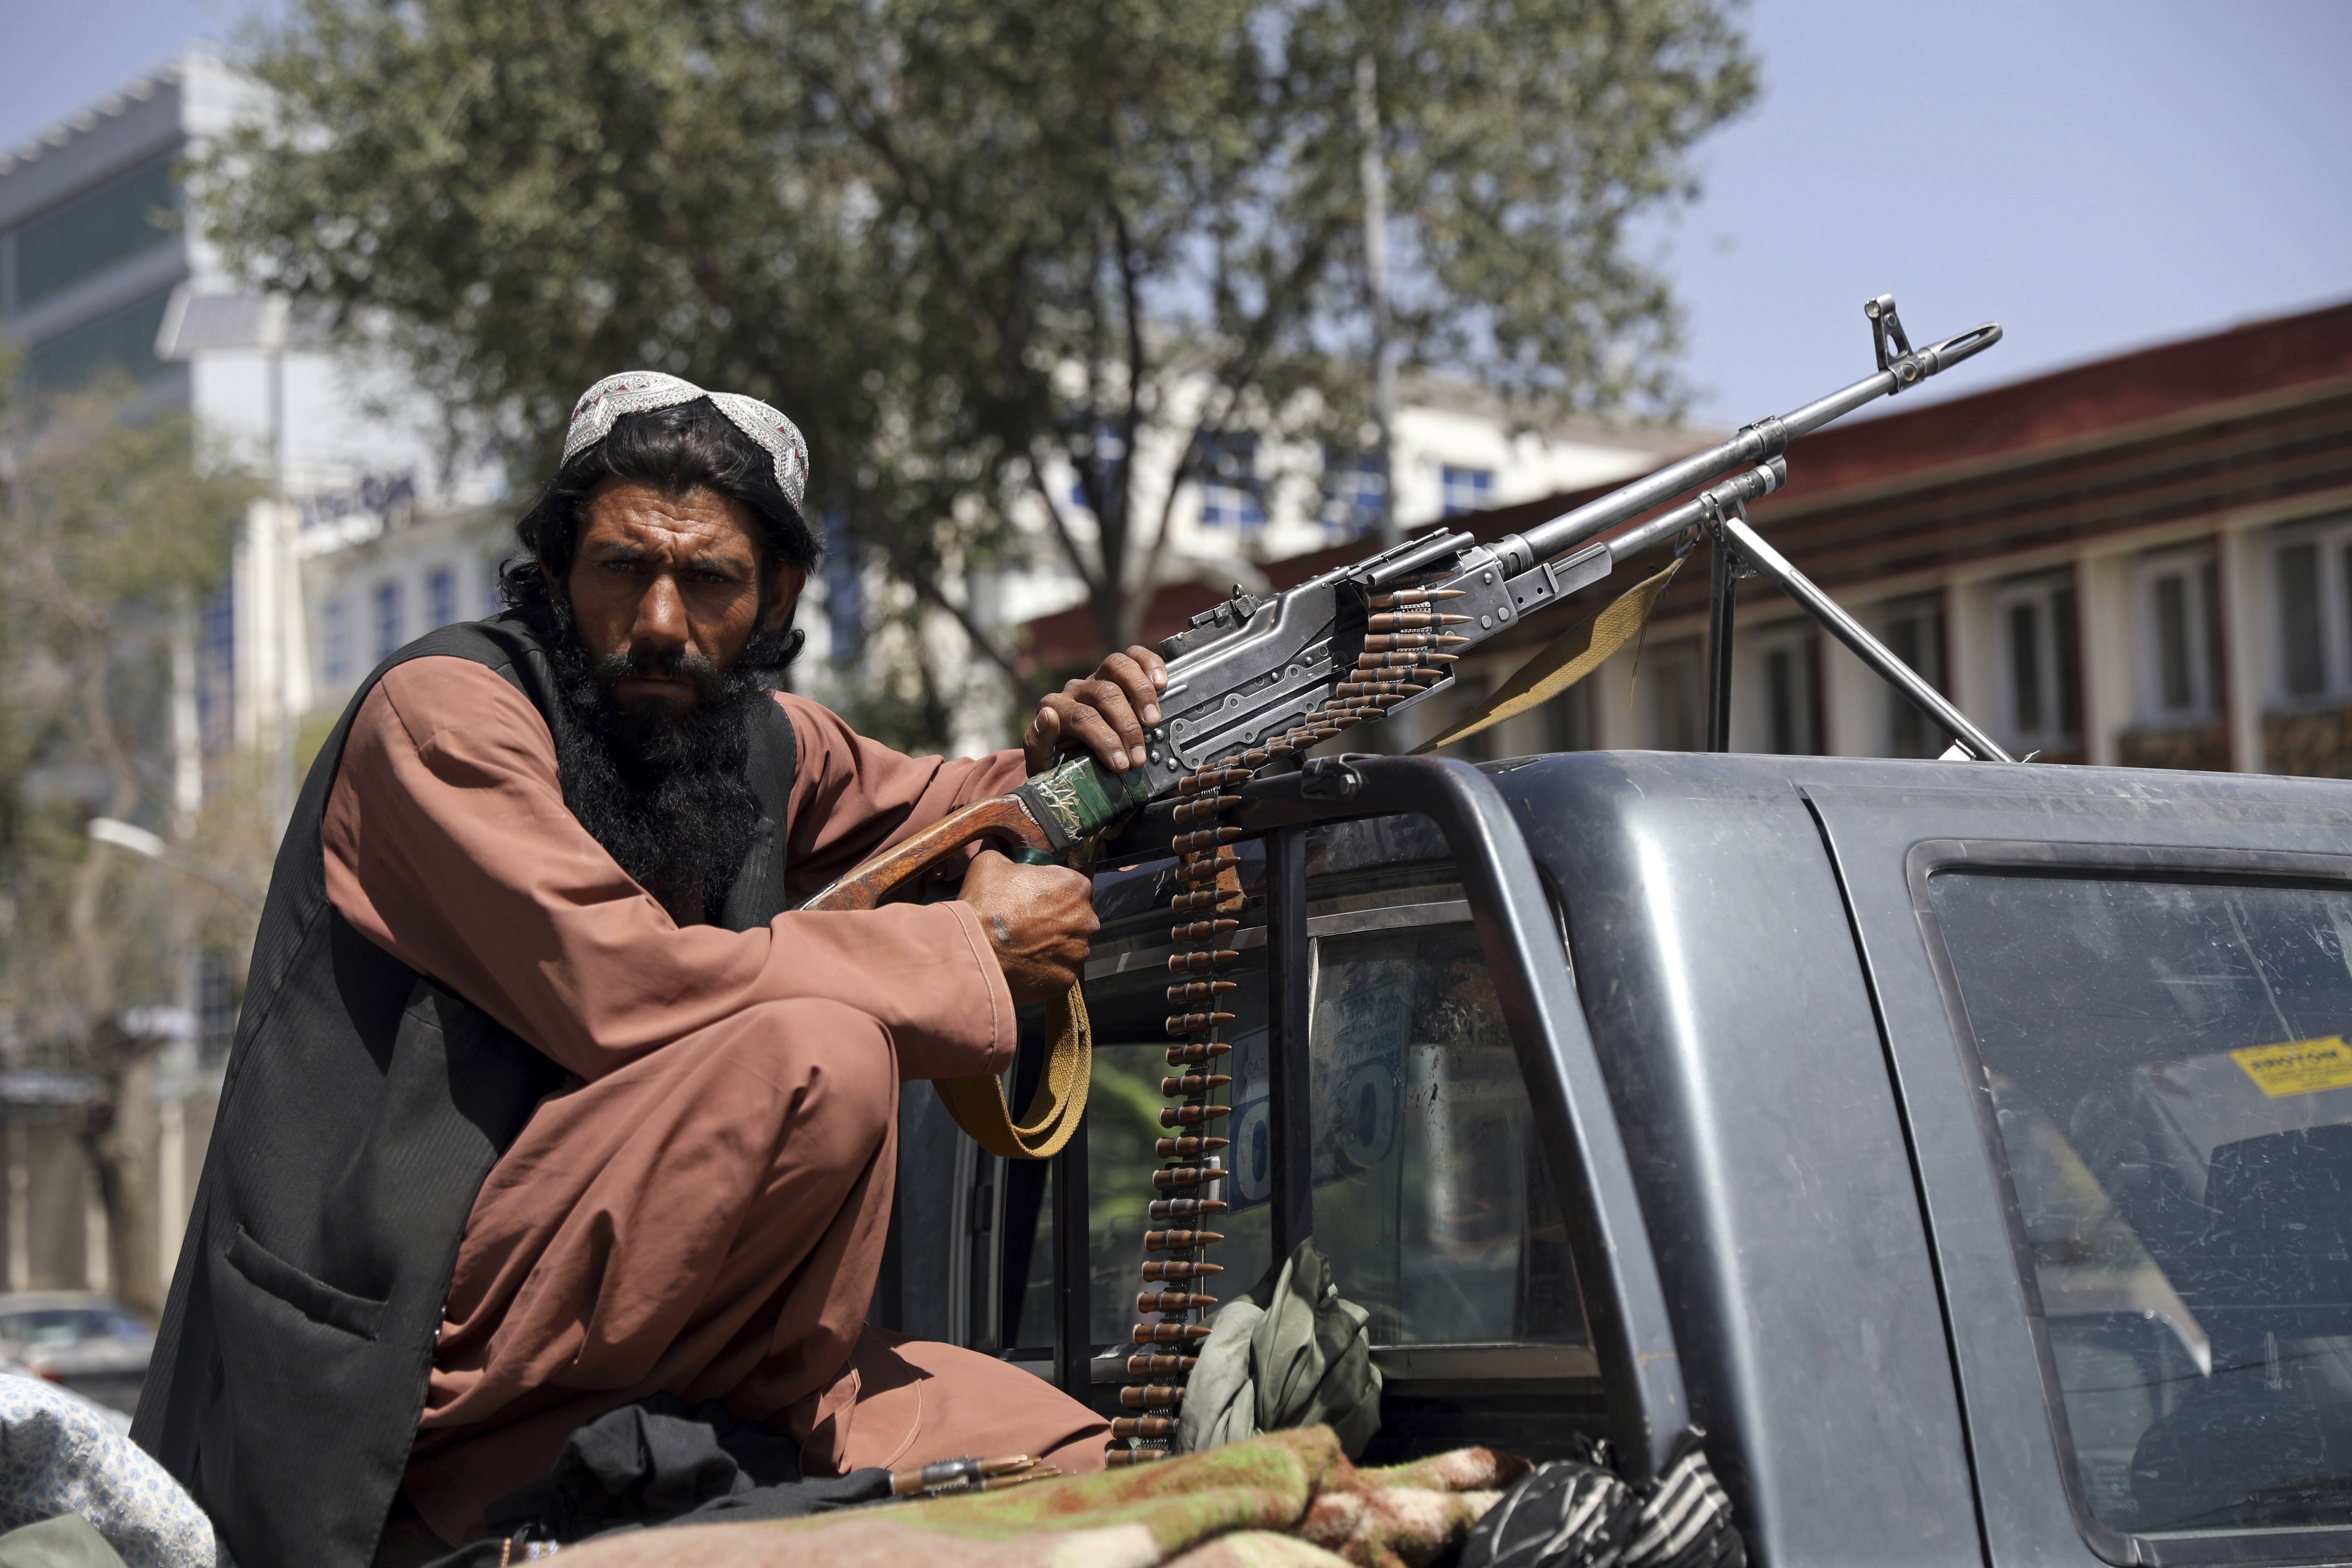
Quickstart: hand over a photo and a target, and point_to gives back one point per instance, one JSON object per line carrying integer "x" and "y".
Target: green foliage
{"x": 963, "y": 241}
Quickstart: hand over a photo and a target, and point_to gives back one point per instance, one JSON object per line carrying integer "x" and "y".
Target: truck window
{"x": 2173, "y": 1087}
{"x": 1429, "y": 1193}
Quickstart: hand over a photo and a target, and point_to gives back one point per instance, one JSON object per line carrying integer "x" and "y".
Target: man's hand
{"x": 1039, "y": 919}
{"x": 1107, "y": 712}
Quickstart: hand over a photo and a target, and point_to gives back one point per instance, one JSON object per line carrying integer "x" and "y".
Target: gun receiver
{"x": 1251, "y": 671}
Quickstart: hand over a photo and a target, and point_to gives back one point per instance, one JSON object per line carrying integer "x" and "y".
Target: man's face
{"x": 673, "y": 585}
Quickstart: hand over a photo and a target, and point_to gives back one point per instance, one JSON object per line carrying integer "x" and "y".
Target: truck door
{"x": 1392, "y": 994}
{"x": 2116, "y": 1009}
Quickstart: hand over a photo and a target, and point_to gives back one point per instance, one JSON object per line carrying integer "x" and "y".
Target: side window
{"x": 1428, "y": 1189}
{"x": 1431, "y": 1193}
{"x": 2169, "y": 1066}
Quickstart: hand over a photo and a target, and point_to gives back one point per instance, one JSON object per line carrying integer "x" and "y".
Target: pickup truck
{"x": 1965, "y": 1147}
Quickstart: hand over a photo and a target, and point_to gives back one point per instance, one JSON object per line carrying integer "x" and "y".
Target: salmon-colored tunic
{"x": 704, "y": 1214}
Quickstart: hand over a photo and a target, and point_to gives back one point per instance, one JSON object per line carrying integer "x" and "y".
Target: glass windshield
{"x": 2169, "y": 1069}
{"x": 1430, "y": 1195}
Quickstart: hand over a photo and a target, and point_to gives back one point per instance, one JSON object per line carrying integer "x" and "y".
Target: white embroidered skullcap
{"x": 642, "y": 391}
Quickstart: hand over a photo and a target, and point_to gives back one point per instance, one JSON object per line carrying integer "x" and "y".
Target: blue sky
{"x": 2094, "y": 174}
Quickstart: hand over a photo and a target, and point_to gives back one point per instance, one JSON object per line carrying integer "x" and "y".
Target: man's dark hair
{"x": 688, "y": 446}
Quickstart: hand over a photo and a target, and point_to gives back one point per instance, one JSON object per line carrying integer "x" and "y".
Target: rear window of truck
{"x": 2169, "y": 1065}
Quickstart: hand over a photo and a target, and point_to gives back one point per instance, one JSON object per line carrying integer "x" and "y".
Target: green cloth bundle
{"x": 1290, "y": 1353}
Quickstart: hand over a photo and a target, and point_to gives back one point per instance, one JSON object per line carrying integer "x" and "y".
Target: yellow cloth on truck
{"x": 1581, "y": 649}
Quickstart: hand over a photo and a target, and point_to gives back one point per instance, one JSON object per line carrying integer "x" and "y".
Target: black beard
{"x": 664, "y": 790}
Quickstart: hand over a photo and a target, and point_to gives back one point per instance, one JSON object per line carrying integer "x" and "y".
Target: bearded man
{"x": 544, "y": 1099}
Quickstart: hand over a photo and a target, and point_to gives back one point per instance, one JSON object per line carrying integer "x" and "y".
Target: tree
{"x": 111, "y": 526}
{"x": 974, "y": 243}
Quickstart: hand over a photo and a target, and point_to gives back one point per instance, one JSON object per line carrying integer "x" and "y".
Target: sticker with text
{"x": 2298, "y": 1067}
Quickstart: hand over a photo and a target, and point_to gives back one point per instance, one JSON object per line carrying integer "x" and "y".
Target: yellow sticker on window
{"x": 2298, "y": 1067}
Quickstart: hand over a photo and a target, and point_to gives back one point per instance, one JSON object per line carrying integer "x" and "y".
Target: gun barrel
{"x": 1752, "y": 444}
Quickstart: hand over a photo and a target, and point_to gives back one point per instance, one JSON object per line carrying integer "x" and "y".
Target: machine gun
{"x": 1255, "y": 684}
{"x": 1252, "y": 681}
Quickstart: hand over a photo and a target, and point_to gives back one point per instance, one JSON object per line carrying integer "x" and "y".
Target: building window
{"x": 1108, "y": 452}
{"x": 1466, "y": 489}
{"x": 1787, "y": 688}
{"x": 2180, "y": 646}
{"x": 336, "y": 635}
{"x": 845, "y": 591}
{"x": 2040, "y": 688}
{"x": 1567, "y": 720}
{"x": 1232, "y": 495}
{"x": 122, "y": 339}
{"x": 2312, "y": 586}
{"x": 1677, "y": 720}
{"x": 441, "y": 596}
{"x": 1355, "y": 496}
{"x": 1913, "y": 629}
{"x": 95, "y": 231}
{"x": 388, "y": 619}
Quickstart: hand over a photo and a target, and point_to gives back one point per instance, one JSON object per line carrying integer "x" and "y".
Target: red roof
{"x": 1946, "y": 457}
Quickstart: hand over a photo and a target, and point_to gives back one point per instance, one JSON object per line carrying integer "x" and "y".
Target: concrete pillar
{"x": 1971, "y": 636}
{"x": 1854, "y": 699}
{"x": 2110, "y": 652}
{"x": 2243, "y": 574}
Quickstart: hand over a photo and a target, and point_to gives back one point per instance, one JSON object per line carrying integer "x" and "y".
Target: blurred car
{"x": 88, "y": 1343}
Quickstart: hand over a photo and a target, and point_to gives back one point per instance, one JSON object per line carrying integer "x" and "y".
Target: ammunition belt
{"x": 1208, "y": 909}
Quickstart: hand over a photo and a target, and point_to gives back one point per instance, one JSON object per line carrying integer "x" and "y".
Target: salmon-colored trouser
{"x": 708, "y": 1221}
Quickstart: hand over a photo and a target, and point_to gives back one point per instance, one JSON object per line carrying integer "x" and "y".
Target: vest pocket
{"x": 314, "y": 1299}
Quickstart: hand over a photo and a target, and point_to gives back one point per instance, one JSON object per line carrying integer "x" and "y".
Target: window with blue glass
{"x": 388, "y": 616}
{"x": 844, "y": 590}
{"x": 1355, "y": 493}
{"x": 441, "y": 596}
{"x": 1106, "y": 455}
{"x": 336, "y": 635}
{"x": 105, "y": 226}
{"x": 1232, "y": 495}
{"x": 1466, "y": 489}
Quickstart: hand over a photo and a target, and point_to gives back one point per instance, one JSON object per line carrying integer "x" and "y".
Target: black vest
{"x": 362, "y": 1108}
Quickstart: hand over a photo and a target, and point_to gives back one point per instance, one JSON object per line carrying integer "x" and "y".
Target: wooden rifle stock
{"x": 1003, "y": 821}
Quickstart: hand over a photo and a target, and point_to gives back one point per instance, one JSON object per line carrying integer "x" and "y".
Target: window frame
{"x": 2330, "y": 538}
{"x": 2059, "y": 685}
{"x": 2192, "y": 565}
{"x": 2235, "y": 867}
{"x": 1465, "y": 487}
{"x": 1927, "y": 612}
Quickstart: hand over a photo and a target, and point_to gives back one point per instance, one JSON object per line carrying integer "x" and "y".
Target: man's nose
{"x": 661, "y": 616}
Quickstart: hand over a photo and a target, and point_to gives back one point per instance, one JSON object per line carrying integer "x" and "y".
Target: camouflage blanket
{"x": 1289, "y": 1500}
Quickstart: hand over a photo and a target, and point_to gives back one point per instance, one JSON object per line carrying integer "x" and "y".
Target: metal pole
{"x": 1372, "y": 170}
{"x": 286, "y": 600}
{"x": 1722, "y": 583}
{"x": 1771, "y": 563}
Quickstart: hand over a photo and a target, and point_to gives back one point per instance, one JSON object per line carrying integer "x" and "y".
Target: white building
{"x": 92, "y": 258}
{"x": 379, "y": 535}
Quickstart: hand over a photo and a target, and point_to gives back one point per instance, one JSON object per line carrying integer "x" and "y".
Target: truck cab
{"x": 1966, "y": 1148}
